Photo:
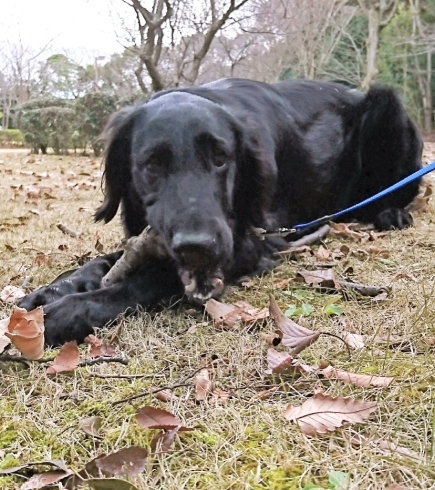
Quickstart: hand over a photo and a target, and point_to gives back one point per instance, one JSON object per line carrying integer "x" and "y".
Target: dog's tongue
{"x": 201, "y": 287}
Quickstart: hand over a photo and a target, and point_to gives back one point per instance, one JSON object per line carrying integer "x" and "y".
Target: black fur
{"x": 202, "y": 165}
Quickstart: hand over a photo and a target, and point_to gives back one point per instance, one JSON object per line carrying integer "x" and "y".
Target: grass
{"x": 244, "y": 443}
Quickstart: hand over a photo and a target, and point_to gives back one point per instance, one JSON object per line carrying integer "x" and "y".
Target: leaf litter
{"x": 392, "y": 342}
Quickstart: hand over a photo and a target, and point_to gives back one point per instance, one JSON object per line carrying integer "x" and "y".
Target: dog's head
{"x": 183, "y": 164}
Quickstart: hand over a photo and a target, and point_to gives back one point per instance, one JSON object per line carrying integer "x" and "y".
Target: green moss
{"x": 279, "y": 479}
{"x": 205, "y": 437}
{"x": 8, "y": 435}
{"x": 9, "y": 462}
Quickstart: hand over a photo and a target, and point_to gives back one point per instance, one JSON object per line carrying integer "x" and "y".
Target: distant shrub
{"x": 47, "y": 122}
{"x": 11, "y": 137}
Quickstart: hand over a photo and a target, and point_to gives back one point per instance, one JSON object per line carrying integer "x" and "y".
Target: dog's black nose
{"x": 195, "y": 249}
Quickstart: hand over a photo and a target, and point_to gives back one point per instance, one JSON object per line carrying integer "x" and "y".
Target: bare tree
{"x": 300, "y": 35}
{"x": 379, "y": 14}
{"x": 423, "y": 46}
{"x": 173, "y": 37}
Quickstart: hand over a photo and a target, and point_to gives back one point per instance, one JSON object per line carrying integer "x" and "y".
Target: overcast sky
{"x": 83, "y": 27}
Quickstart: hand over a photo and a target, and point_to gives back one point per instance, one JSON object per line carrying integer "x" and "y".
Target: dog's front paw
{"x": 40, "y": 297}
{"x": 65, "y": 320}
{"x": 393, "y": 219}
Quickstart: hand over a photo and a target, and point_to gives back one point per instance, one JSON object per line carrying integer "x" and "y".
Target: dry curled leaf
{"x": 342, "y": 230}
{"x": 156, "y": 418}
{"x": 294, "y": 252}
{"x": 219, "y": 397}
{"x": 67, "y": 359}
{"x": 280, "y": 362}
{"x": 203, "y": 385}
{"x": 26, "y": 332}
{"x": 98, "y": 349}
{"x": 354, "y": 340}
{"x": 323, "y": 413}
{"x": 293, "y": 335}
{"x": 91, "y": 425}
{"x": 11, "y": 294}
{"x": 223, "y": 314}
{"x": 323, "y": 253}
{"x": 130, "y": 461}
{"x": 361, "y": 380}
{"x": 263, "y": 395}
{"x": 4, "y": 341}
{"x": 229, "y": 314}
{"x": 165, "y": 439}
{"x": 42, "y": 480}
{"x": 164, "y": 396}
{"x": 420, "y": 204}
{"x": 323, "y": 278}
{"x": 385, "y": 445}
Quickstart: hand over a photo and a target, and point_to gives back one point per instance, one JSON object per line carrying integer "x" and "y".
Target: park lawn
{"x": 243, "y": 442}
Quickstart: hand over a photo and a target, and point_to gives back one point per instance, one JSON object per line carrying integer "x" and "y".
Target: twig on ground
{"x": 309, "y": 239}
{"x": 328, "y": 334}
{"x": 8, "y": 358}
{"x": 363, "y": 290}
{"x": 68, "y": 231}
{"x": 171, "y": 387}
{"x": 125, "y": 376}
{"x": 95, "y": 360}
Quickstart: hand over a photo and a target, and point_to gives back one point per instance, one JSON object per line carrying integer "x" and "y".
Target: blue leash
{"x": 325, "y": 219}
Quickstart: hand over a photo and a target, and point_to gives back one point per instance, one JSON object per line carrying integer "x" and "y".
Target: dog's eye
{"x": 154, "y": 164}
{"x": 220, "y": 157}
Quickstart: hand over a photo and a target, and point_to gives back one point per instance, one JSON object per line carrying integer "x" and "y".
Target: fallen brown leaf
{"x": 26, "y": 332}
{"x": 293, "y": 335}
{"x": 42, "y": 480}
{"x": 219, "y": 397}
{"x": 67, "y": 359}
{"x": 279, "y": 362}
{"x": 165, "y": 439}
{"x": 354, "y": 340}
{"x": 282, "y": 284}
{"x": 420, "y": 204}
{"x": 203, "y": 385}
{"x": 271, "y": 339}
{"x": 130, "y": 461}
{"x": 98, "y": 349}
{"x": 164, "y": 396}
{"x": 11, "y": 294}
{"x": 323, "y": 253}
{"x": 229, "y": 314}
{"x": 263, "y": 395}
{"x": 342, "y": 230}
{"x": 378, "y": 442}
{"x": 91, "y": 425}
{"x": 223, "y": 314}
{"x": 4, "y": 341}
{"x": 156, "y": 418}
{"x": 361, "y": 380}
{"x": 323, "y": 413}
{"x": 294, "y": 252}
{"x": 324, "y": 278}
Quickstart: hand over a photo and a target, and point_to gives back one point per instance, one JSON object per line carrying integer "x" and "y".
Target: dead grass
{"x": 245, "y": 443}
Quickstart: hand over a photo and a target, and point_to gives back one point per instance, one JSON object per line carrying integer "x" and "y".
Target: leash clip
{"x": 261, "y": 233}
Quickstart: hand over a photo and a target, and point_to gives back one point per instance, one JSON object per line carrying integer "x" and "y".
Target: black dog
{"x": 203, "y": 165}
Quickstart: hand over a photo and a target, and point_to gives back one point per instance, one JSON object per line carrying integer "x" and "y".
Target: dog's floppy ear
{"x": 117, "y": 161}
{"x": 257, "y": 175}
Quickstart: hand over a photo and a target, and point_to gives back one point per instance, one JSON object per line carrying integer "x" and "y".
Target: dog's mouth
{"x": 200, "y": 285}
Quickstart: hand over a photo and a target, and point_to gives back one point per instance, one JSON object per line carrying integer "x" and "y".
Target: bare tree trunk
{"x": 379, "y": 14}
{"x": 153, "y": 25}
{"x": 424, "y": 76}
